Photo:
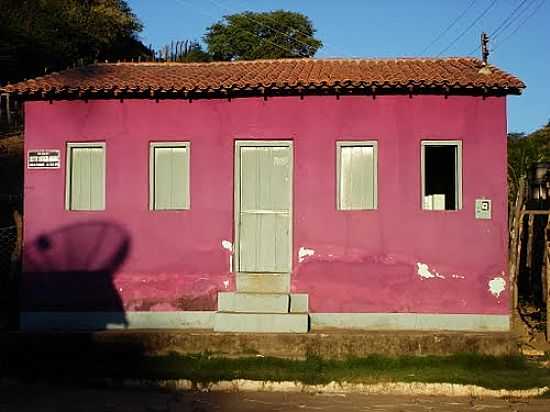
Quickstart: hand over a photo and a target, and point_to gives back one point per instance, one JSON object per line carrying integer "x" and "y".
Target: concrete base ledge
{"x": 318, "y": 321}
{"x": 411, "y": 321}
{"x": 386, "y": 388}
{"x": 89, "y": 321}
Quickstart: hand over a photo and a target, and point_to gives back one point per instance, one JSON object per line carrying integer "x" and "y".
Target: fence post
{"x": 515, "y": 244}
{"x": 8, "y": 114}
{"x": 16, "y": 254}
{"x": 546, "y": 284}
{"x": 544, "y": 266}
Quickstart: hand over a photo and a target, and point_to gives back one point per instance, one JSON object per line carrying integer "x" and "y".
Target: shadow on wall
{"x": 72, "y": 269}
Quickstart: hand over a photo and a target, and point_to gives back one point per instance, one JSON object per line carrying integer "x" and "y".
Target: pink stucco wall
{"x": 129, "y": 258}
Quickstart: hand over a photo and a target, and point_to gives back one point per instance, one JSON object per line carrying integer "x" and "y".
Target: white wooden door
{"x": 264, "y": 206}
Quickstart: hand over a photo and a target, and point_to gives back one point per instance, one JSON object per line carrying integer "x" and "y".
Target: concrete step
{"x": 299, "y": 303}
{"x": 261, "y": 322}
{"x": 263, "y": 282}
{"x": 253, "y": 302}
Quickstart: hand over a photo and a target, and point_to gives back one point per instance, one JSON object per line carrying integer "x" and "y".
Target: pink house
{"x": 277, "y": 195}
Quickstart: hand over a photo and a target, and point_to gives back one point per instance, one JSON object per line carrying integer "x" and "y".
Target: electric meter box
{"x": 483, "y": 209}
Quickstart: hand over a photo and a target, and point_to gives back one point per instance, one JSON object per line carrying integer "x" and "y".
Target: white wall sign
{"x": 43, "y": 159}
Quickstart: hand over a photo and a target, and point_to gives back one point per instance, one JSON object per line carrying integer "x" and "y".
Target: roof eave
{"x": 222, "y": 93}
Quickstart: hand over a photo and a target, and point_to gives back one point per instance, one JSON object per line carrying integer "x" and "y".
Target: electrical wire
{"x": 501, "y": 25}
{"x": 521, "y": 23}
{"x": 506, "y": 23}
{"x": 519, "y": 16}
{"x": 483, "y": 13}
{"x": 449, "y": 27}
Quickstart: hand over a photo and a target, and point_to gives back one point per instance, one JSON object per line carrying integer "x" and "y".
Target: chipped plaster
{"x": 304, "y": 252}
{"x": 227, "y": 245}
{"x": 423, "y": 271}
{"x": 497, "y": 286}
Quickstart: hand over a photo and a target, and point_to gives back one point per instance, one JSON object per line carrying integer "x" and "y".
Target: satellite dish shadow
{"x": 71, "y": 270}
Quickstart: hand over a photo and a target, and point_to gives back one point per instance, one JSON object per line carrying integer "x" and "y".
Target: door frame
{"x": 237, "y": 193}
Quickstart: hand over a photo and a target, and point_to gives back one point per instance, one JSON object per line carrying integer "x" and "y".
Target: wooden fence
{"x": 11, "y": 115}
{"x": 10, "y": 264}
{"x": 524, "y": 249}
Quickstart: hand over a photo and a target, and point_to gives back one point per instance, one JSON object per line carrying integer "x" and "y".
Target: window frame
{"x": 68, "y": 173}
{"x": 351, "y": 143}
{"x": 168, "y": 144}
{"x": 458, "y": 172}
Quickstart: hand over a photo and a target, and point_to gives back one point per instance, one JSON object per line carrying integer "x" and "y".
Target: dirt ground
{"x": 529, "y": 326}
{"x": 65, "y": 398}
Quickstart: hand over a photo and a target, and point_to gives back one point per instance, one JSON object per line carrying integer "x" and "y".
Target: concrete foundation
{"x": 325, "y": 344}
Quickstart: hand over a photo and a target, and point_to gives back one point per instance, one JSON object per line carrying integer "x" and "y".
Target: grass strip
{"x": 512, "y": 372}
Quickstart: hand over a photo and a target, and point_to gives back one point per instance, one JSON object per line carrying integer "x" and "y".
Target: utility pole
{"x": 484, "y": 48}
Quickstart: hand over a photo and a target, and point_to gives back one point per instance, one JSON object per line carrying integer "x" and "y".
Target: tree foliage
{"x": 272, "y": 35}
{"x": 524, "y": 151}
{"x": 53, "y": 34}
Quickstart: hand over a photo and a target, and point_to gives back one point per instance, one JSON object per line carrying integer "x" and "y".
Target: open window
{"x": 441, "y": 174}
{"x": 169, "y": 176}
{"x": 356, "y": 166}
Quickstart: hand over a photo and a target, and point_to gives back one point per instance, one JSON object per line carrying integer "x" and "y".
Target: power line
{"x": 489, "y": 7}
{"x": 309, "y": 46}
{"x": 506, "y": 23}
{"x": 500, "y": 26}
{"x": 449, "y": 27}
{"x": 183, "y": 2}
{"x": 521, "y": 23}
{"x": 520, "y": 15}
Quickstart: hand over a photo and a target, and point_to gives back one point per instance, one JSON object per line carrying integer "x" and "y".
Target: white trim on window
{"x": 152, "y": 192}
{"x": 356, "y": 143}
{"x": 458, "y": 170}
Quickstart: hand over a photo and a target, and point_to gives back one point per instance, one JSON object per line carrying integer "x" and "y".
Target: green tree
{"x": 272, "y": 35}
{"x": 53, "y": 34}
{"x": 523, "y": 151}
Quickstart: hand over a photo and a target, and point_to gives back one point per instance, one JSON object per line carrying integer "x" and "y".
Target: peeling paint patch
{"x": 227, "y": 245}
{"x": 457, "y": 276}
{"x": 423, "y": 271}
{"x": 226, "y": 284}
{"x": 304, "y": 252}
{"x": 497, "y": 286}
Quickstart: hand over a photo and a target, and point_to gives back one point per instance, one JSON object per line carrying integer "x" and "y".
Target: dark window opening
{"x": 440, "y": 177}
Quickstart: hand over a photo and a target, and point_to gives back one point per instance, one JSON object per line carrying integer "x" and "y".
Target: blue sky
{"x": 369, "y": 28}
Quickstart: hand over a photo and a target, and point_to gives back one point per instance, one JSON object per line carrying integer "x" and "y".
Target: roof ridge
{"x": 286, "y": 60}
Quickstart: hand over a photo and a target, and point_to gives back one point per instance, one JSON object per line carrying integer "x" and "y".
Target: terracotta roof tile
{"x": 431, "y": 75}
